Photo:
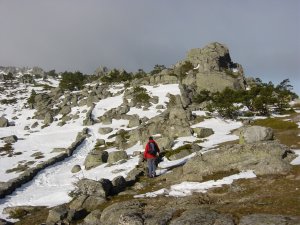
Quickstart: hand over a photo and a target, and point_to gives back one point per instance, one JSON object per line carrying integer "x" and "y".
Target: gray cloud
{"x": 263, "y": 36}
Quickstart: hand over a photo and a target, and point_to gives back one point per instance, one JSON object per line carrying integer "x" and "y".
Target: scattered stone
{"x": 100, "y": 142}
{"x": 116, "y": 156}
{"x": 95, "y": 158}
{"x": 93, "y": 218}
{"x": 10, "y": 139}
{"x": 255, "y": 134}
{"x": 48, "y": 118}
{"x": 57, "y": 214}
{"x": 105, "y": 130}
{"x": 203, "y": 132}
{"x": 3, "y": 122}
{"x": 88, "y": 187}
{"x": 93, "y": 202}
{"x": 160, "y": 107}
{"x": 65, "y": 110}
{"x": 34, "y": 125}
{"x": 134, "y": 121}
{"x": 106, "y": 120}
{"x": 76, "y": 169}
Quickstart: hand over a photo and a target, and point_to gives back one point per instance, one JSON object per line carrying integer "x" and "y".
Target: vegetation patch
{"x": 188, "y": 147}
{"x": 38, "y": 155}
{"x": 199, "y": 119}
{"x": 140, "y": 95}
{"x": 7, "y": 149}
{"x": 157, "y": 69}
{"x": 8, "y": 101}
{"x": 46, "y": 87}
{"x": 20, "y": 168}
{"x": 72, "y": 81}
{"x": 220, "y": 174}
{"x": 116, "y": 76}
{"x": 276, "y": 123}
{"x": 35, "y": 217}
{"x": 31, "y": 99}
{"x": 261, "y": 99}
{"x": 267, "y": 194}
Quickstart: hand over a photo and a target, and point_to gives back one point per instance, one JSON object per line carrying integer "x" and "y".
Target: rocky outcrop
{"x": 170, "y": 124}
{"x": 255, "y": 134}
{"x": 209, "y": 68}
{"x": 262, "y": 157}
{"x": 212, "y": 57}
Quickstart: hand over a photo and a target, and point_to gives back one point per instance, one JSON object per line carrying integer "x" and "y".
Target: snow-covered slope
{"x": 52, "y": 185}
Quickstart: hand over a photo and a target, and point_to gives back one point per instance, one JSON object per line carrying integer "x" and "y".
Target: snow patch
{"x": 296, "y": 161}
{"x": 188, "y": 188}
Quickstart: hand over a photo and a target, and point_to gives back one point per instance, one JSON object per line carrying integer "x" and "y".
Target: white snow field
{"x": 52, "y": 185}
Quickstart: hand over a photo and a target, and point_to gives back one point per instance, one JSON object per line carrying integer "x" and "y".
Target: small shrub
{"x": 72, "y": 81}
{"x": 140, "y": 95}
{"x": 157, "y": 69}
{"x": 115, "y": 76}
{"x": 31, "y": 99}
{"x": 203, "y": 96}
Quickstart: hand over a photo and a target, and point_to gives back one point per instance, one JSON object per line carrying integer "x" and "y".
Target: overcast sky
{"x": 262, "y": 35}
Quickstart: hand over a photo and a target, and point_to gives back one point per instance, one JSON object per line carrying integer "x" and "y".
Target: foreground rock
{"x": 263, "y": 158}
{"x": 263, "y": 219}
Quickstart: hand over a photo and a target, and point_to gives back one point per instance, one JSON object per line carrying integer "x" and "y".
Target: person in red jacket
{"x": 150, "y": 154}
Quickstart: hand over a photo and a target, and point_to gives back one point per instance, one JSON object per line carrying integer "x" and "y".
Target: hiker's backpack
{"x": 152, "y": 149}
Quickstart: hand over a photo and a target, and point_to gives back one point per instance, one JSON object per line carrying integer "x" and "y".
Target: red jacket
{"x": 148, "y": 155}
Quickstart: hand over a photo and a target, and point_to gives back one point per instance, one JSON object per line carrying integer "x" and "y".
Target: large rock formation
{"x": 261, "y": 157}
{"x": 212, "y": 70}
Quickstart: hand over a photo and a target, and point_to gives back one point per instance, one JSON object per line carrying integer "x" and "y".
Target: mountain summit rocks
{"x": 213, "y": 69}
{"x": 213, "y": 57}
